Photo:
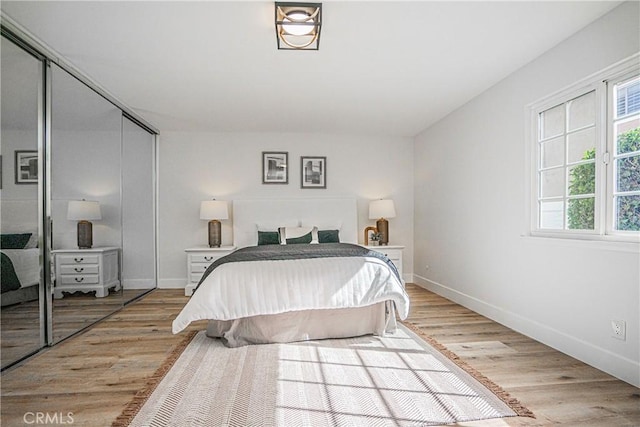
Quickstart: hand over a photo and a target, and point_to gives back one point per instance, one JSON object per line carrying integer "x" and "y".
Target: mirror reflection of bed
{"x": 20, "y": 256}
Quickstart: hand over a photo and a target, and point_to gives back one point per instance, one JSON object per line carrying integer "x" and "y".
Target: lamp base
{"x": 215, "y": 233}
{"x": 383, "y": 228}
{"x": 85, "y": 235}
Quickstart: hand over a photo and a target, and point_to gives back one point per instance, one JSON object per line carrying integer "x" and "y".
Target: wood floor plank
{"x": 96, "y": 373}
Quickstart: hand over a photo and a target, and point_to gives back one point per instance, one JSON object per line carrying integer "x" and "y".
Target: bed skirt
{"x": 305, "y": 325}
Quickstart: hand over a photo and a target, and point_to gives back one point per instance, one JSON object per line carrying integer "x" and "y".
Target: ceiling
{"x": 387, "y": 68}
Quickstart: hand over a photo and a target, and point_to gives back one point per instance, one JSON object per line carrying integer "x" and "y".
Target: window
{"x": 626, "y": 158}
{"x": 586, "y": 158}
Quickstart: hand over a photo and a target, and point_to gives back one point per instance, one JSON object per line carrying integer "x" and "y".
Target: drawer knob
{"x": 79, "y": 270}
{"x": 78, "y": 259}
{"x": 208, "y": 258}
{"x": 79, "y": 279}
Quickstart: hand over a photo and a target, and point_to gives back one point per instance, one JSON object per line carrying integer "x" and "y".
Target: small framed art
{"x": 26, "y": 167}
{"x": 274, "y": 167}
{"x": 313, "y": 172}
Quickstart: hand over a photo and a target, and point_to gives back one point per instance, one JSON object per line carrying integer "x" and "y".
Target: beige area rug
{"x": 398, "y": 380}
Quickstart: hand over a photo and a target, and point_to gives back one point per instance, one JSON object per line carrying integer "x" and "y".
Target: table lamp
{"x": 83, "y": 211}
{"x": 380, "y": 210}
{"x": 214, "y": 210}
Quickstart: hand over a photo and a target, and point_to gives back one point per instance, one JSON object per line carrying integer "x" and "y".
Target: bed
{"x": 292, "y": 280}
{"x": 19, "y": 252}
{"x": 20, "y": 268}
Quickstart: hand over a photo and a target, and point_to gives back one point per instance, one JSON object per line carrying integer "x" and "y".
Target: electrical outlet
{"x": 619, "y": 329}
{"x": 427, "y": 266}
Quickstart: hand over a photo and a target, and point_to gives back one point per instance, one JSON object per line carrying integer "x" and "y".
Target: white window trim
{"x": 603, "y": 231}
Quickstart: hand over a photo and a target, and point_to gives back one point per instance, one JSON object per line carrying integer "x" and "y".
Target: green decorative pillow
{"x": 14, "y": 241}
{"x": 299, "y": 240}
{"x": 268, "y": 238}
{"x": 328, "y": 236}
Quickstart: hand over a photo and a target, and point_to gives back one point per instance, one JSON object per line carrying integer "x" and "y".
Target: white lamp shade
{"x": 83, "y": 210}
{"x": 214, "y": 209}
{"x": 382, "y": 209}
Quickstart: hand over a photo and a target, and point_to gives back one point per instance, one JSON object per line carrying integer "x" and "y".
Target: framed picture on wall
{"x": 313, "y": 172}
{"x": 274, "y": 167}
{"x": 26, "y": 167}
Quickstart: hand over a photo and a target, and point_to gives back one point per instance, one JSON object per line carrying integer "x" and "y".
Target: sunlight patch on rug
{"x": 395, "y": 380}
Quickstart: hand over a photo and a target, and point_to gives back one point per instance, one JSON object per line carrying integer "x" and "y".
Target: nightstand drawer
{"x": 195, "y": 278}
{"x": 79, "y": 279}
{"x": 199, "y": 267}
{"x": 77, "y": 259}
{"x": 206, "y": 259}
{"x": 79, "y": 269}
{"x": 393, "y": 254}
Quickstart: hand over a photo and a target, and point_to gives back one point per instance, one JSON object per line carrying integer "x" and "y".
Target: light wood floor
{"x": 20, "y": 323}
{"x": 94, "y": 375}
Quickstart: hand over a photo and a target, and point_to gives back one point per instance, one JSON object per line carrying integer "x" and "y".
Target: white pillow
{"x": 295, "y": 232}
{"x": 322, "y": 224}
{"x": 275, "y": 225}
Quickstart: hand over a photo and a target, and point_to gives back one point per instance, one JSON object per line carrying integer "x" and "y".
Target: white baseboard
{"x": 172, "y": 283}
{"x": 620, "y": 367}
{"x": 139, "y": 284}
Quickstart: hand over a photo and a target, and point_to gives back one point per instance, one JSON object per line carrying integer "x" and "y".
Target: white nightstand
{"x": 86, "y": 270}
{"x": 393, "y": 252}
{"x": 198, "y": 259}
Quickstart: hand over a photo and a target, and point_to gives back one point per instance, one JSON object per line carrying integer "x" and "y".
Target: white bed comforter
{"x": 243, "y": 289}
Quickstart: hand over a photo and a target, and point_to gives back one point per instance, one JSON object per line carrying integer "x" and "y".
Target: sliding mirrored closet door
{"x": 21, "y": 185}
{"x": 86, "y": 204}
{"x": 138, "y": 210}
{"x": 78, "y": 198}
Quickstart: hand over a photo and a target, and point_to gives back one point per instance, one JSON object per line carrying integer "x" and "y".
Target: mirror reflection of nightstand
{"x": 86, "y": 270}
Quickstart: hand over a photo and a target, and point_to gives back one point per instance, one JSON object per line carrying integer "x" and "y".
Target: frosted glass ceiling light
{"x": 298, "y": 25}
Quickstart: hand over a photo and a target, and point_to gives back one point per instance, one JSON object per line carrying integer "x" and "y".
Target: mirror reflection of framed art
{"x": 26, "y": 167}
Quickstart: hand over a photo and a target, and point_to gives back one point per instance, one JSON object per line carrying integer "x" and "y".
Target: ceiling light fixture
{"x": 298, "y": 25}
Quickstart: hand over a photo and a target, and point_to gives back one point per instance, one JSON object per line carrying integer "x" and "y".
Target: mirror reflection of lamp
{"x": 214, "y": 210}
{"x": 83, "y": 211}
{"x": 381, "y": 210}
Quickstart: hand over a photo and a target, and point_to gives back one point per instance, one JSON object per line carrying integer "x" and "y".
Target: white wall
{"x": 199, "y": 166}
{"x": 470, "y": 215}
{"x": 22, "y": 215}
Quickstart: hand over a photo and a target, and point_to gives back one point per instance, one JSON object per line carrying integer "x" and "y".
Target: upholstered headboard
{"x": 326, "y": 214}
